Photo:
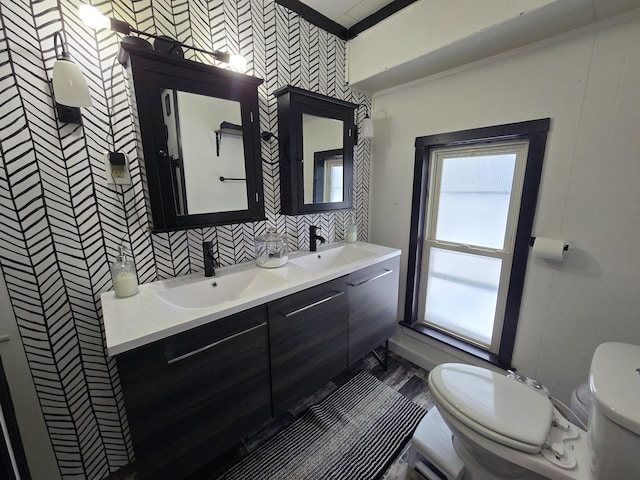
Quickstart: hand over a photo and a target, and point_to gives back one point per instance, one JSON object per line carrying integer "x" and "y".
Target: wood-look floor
{"x": 402, "y": 375}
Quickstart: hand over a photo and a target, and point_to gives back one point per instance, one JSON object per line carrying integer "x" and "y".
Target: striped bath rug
{"x": 354, "y": 434}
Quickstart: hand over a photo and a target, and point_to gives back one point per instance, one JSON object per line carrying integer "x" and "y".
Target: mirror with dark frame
{"x": 316, "y": 137}
{"x": 199, "y": 131}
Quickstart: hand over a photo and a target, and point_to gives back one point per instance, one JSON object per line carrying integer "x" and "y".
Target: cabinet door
{"x": 373, "y": 306}
{"x": 308, "y": 339}
{"x": 192, "y": 396}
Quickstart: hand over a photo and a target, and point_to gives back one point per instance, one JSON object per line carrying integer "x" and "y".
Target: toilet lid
{"x": 495, "y": 406}
{"x": 615, "y": 383}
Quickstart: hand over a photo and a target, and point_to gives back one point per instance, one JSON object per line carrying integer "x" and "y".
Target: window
{"x": 475, "y": 193}
{"x": 475, "y": 196}
{"x": 333, "y": 180}
{"x": 328, "y": 176}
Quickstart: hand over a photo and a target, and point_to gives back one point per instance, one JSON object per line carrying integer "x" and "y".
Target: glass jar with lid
{"x": 272, "y": 250}
{"x": 123, "y": 275}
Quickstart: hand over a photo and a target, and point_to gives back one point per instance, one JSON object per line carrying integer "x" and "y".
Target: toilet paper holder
{"x": 568, "y": 246}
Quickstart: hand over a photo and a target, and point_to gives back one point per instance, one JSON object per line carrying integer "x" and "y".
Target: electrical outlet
{"x": 117, "y": 171}
{"x": 116, "y": 165}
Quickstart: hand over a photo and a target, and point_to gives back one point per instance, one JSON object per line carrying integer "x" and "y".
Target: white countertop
{"x": 145, "y": 317}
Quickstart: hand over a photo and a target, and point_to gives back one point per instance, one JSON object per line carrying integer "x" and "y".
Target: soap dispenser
{"x": 352, "y": 233}
{"x": 123, "y": 275}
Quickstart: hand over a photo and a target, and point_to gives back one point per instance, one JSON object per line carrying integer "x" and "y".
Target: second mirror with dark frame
{"x": 316, "y": 137}
{"x": 199, "y": 129}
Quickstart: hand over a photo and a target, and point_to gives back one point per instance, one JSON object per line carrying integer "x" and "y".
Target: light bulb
{"x": 92, "y": 17}
{"x": 237, "y": 63}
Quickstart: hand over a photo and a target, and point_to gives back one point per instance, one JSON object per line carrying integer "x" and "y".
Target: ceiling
{"x": 345, "y": 18}
{"x": 346, "y": 12}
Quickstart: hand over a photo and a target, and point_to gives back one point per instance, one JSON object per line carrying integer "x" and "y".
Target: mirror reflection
{"x": 322, "y": 160}
{"x": 206, "y": 149}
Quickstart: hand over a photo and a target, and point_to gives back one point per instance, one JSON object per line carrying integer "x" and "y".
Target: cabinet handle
{"x": 386, "y": 272}
{"x": 4, "y": 338}
{"x": 311, "y": 305}
{"x": 214, "y": 344}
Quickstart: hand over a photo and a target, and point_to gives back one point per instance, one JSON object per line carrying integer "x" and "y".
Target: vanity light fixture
{"x": 92, "y": 17}
{"x": 70, "y": 90}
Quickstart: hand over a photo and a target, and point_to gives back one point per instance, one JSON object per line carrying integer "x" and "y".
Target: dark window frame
{"x": 319, "y": 161}
{"x": 535, "y": 131}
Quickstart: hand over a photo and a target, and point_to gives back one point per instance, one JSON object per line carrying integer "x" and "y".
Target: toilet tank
{"x": 614, "y": 428}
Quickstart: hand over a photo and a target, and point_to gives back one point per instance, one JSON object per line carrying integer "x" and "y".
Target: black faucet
{"x": 314, "y": 238}
{"x": 209, "y": 262}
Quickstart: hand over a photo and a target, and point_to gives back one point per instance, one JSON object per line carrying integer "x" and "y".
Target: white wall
{"x": 423, "y": 27}
{"x": 589, "y": 85}
{"x": 432, "y": 36}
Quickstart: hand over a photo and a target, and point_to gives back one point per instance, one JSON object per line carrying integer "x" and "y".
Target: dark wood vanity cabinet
{"x": 193, "y": 395}
{"x": 373, "y": 306}
{"x": 308, "y": 334}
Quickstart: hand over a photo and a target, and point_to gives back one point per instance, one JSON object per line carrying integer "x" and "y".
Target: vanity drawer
{"x": 373, "y": 306}
{"x": 192, "y": 396}
{"x": 308, "y": 339}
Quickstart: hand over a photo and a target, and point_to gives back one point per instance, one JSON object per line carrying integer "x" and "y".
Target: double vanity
{"x": 204, "y": 362}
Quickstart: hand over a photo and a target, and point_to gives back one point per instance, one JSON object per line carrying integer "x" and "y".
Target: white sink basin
{"x": 327, "y": 259}
{"x": 172, "y": 306}
{"x": 221, "y": 288}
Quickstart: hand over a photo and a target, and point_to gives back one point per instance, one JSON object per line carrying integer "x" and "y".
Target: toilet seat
{"x": 499, "y": 408}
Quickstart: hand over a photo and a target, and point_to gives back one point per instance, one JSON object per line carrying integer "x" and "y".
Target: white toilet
{"x": 487, "y": 426}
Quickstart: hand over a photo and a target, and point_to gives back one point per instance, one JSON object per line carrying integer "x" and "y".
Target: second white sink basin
{"x": 325, "y": 260}
{"x": 221, "y": 288}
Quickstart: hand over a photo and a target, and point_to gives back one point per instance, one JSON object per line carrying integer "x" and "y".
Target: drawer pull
{"x": 311, "y": 305}
{"x": 214, "y": 344}
{"x": 386, "y": 272}
{"x": 4, "y": 338}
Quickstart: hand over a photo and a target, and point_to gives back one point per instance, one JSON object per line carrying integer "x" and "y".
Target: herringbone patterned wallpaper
{"x": 61, "y": 223}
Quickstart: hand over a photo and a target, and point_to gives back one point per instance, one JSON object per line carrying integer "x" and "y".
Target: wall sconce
{"x": 70, "y": 90}
{"x": 92, "y": 17}
{"x": 366, "y": 127}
